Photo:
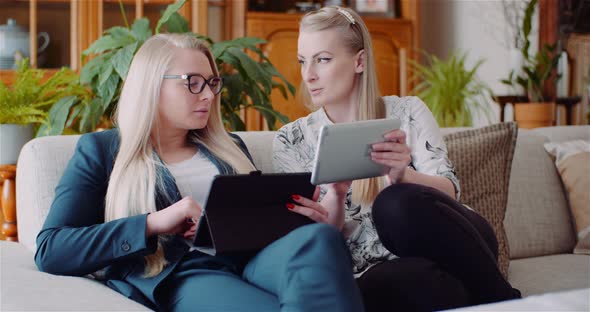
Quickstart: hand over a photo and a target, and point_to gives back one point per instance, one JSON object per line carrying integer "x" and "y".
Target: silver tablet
{"x": 344, "y": 150}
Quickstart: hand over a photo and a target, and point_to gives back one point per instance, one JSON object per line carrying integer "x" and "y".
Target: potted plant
{"x": 248, "y": 82}
{"x": 536, "y": 69}
{"x": 25, "y": 105}
{"x": 451, "y": 90}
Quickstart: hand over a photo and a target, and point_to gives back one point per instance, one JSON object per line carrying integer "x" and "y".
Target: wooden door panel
{"x": 282, "y": 51}
{"x": 387, "y": 64}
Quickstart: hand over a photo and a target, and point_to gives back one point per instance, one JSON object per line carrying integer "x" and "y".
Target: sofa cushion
{"x": 538, "y": 221}
{"x": 572, "y": 159}
{"x": 24, "y": 288}
{"x": 545, "y": 274}
{"x": 482, "y": 158}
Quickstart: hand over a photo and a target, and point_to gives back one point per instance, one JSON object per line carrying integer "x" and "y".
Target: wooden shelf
{"x": 73, "y": 25}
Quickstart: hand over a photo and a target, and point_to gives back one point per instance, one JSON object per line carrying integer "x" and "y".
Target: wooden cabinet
{"x": 394, "y": 41}
{"x": 73, "y": 25}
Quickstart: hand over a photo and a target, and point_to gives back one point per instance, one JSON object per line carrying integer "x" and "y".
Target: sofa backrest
{"x": 259, "y": 144}
{"x": 537, "y": 220}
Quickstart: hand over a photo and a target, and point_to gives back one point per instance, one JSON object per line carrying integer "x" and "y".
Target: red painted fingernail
{"x": 295, "y": 197}
{"x": 290, "y": 206}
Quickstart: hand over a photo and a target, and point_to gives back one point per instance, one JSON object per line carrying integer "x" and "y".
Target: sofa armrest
{"x": 40, "y": 166}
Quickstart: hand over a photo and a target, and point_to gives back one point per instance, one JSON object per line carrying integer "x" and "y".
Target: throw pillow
{"x": 483, "y": 159}
{"x": 572, "y": 159}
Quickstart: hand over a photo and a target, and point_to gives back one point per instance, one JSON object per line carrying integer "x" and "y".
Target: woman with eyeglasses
{"x": 121, "y": 208}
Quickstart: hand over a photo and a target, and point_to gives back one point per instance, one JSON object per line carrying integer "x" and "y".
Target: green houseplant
{"x": 451, "y": 90}
{"x": 248, "y": 82}
{"x": 536, "y": 70}
{"x": 26, "y": 104}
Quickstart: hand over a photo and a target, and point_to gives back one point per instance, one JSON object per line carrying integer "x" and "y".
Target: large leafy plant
{"x": 248, "y": 82}
{"x": 452, "y": 91}
{"x": 537, "y": 68}
{"x": 30, "y": 99}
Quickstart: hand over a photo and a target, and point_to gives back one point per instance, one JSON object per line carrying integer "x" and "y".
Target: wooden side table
{"x": 8, "y": 201}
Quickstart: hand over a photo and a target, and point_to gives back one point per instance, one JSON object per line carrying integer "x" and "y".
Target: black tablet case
{"x": 247, "y": 212}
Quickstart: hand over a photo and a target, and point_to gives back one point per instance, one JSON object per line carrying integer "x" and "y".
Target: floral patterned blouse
{"x": 294, "y": 149}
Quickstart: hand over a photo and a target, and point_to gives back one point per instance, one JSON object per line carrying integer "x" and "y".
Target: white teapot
{"x": 14, "y": 41}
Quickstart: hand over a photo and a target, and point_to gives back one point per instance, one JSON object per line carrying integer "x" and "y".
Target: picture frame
{"x": 384, "y": 8}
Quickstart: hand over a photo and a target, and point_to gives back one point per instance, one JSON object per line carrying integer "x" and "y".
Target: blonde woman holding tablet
{"x": 414, "y": 246}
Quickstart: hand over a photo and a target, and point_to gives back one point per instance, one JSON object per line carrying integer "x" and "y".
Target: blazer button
{"x": 125, "y": 246}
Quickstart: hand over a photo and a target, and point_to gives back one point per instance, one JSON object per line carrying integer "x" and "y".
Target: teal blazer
{"x": 75, "y": 240}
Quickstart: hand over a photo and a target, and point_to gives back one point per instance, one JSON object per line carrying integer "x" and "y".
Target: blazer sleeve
{"x": 75, "y": 240}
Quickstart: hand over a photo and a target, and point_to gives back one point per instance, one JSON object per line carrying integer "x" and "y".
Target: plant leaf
{"x": 107, "y": 91}
{"x": 94, "y": 67}
{"x": 235, "y": 122}
{"x": 170, "y": 10}
{"x": 119, "y": 33}
{"x": 122, "y": 59}
{"x": 106, "y": 43}
{"x": 243, "y": 43}
{"x": 252, "y": 69}
{"x": 58, "y": 114}
{"x": 73, "y": 115}
{"x": 91, "y": 115}
{"x": 106, "y": 73}
{"x": 177, "y": 24}
{"x": 140, "y": 29}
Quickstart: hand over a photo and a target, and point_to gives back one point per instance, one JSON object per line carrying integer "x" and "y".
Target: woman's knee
{"x": 319, "y": 233}
{"x": 402, "y": 204}
{"x": 322, "y": 238}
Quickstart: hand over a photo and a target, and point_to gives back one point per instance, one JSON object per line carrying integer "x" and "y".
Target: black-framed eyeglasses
{"x": 196, "y": 83}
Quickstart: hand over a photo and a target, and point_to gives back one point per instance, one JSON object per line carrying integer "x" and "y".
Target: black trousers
{"x": 448, "y": 254}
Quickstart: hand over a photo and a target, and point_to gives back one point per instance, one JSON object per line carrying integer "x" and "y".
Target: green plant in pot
{"x": 248, "y": 83}
{"x": 451, "y": 90}
{"x": 26, "y": 104}
{"x": 535, "y": 110}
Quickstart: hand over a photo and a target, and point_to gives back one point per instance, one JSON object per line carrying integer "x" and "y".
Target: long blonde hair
{"x": 135, "y": 179}
{"x": 355, "y": 36}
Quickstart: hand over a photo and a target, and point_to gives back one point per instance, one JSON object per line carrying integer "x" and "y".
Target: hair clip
{"x": 347, "y": 15}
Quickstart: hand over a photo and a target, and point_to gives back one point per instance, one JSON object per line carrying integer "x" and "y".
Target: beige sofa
{"x": 538, "y": 225}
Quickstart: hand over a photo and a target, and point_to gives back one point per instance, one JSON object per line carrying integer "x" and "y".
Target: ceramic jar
{"x": 14, "y": 42}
